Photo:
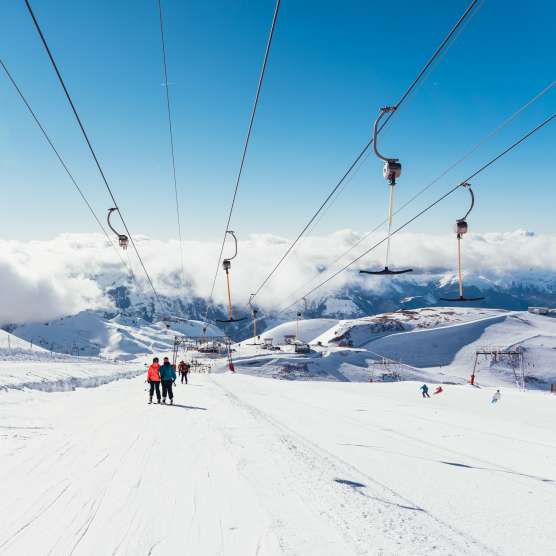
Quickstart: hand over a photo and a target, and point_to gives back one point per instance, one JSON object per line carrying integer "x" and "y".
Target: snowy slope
{"x": 121, "y": 337}
{"x": 429, "y": 344}
{"x": 363, "y": 330}
{"x": 26, "y": 366}
{"x": 60, "y": 375}
{"x": 242, "y": 465}
{"x": 13, "y": 346}
{"x": 309, "y": 329}
{"x": 453, "y": 347}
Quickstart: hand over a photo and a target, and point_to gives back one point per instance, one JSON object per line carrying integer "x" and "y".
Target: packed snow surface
{"x": 306, "y": 330}
{"x": 246, "y": 465}
{"x": 24, "y": 365}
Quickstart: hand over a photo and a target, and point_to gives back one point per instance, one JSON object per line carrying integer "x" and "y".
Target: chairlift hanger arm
{"x": 232, "y": 233}
{"x": 384, "y": 110}
{"x": 468, "y": 187}
{"x": 110, "y": 211}
{"x": 122, "y": 238}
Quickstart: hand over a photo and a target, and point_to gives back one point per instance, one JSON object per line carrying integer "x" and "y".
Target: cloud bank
{"x": 42, "y": 280}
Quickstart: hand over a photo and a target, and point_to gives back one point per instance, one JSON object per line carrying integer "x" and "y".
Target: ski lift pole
{"x": 254, "y": 312}
{"x": 227, "y": 269}
{"x": 255, "y": 325}
{"x": 460, "y": 276}
{"x": 390, "y": 220}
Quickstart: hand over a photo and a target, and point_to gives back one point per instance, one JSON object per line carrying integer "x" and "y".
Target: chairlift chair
{"x": 462, "y": 228}
{"x": 391, "y": 171}
{"x": 123, "y": 240}
{"x": 227, "y": 265}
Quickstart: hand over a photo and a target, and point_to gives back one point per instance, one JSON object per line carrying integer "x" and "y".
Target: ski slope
{"x": 308, "y": 329}
{"x": 432, "y": 344}
{"x": 27, "y": 366}
{"x": 243, "y": 465}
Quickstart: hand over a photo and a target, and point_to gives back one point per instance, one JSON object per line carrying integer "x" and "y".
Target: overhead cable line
{"x": 63, "y": 164}
{"x": 245, "y": 147}
{"x": 389, "y": 116}
{"x": 426, "y": 209}
{"x": 464, "y": 157}
{"x": 171, "y": 134}
{"x": 91, "y": 149}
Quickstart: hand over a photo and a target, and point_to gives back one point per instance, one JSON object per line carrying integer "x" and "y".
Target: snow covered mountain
{"x": 63, "y": 276}
{"x": 353, "y": 301}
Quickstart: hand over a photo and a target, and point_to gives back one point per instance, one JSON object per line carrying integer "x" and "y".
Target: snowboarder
{"x": 153, "y": 378}
{"x": 425, "y": 390}
{"x": 167, "y": 377}
{"x": 438, "y": 390}
{"x": 496, "y": 397}
{"x": 184, "y": 369}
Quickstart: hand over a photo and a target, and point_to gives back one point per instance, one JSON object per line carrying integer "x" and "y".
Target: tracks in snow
{"x": 370, "y": 517}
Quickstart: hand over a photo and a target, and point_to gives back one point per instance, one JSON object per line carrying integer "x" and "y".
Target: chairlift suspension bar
{"x": 229, "y": 295}
{"x": 390, "y": 220}
{"x": 460, "y": 277}
{"x": 392, "y": 169}
{"x": 227, "y": 266}
{"x": 383, "y": 111}
{"x": 461, "y": 228}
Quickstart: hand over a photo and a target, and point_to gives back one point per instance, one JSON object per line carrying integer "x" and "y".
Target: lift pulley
{"x": 123, "y": 240}
{"x": 227, "y": 266}
{"x": 462, "y": 228}
{"x": 391, "y": 171}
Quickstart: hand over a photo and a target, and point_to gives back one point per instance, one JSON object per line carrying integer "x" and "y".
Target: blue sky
{"x": 331, "y": 67}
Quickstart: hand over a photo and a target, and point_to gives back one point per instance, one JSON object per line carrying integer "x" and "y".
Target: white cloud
{"x": 45, "y": 279}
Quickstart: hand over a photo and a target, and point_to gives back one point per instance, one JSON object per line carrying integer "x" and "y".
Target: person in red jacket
{"x": 153, "y": 378}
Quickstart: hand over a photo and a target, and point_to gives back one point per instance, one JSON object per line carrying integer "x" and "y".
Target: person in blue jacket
{"x": 424, "y": 389}
{"x": 167, "y": 378}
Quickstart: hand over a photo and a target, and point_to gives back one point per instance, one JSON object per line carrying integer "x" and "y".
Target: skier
{"x": 183, "y": 369}
{"x": 438, "y": 390}
{"x": 167, "y": 377}
{"x": 496, "y": 397}
{"x": 153, "y": 378}
{"x": 425, "y": 390}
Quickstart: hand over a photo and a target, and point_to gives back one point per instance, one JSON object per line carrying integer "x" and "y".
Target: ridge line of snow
{"x": 436, "y": 328}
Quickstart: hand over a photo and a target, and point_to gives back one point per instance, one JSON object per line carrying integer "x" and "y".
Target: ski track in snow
{"x": 244, "y": 465}
{"x": 409, "y": 528}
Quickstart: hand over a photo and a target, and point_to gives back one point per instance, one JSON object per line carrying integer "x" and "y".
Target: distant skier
{"x": 184, "y": 369}
{"x": 438, "y": 390}
{"x": 496, "y": 397}
{"x": 153, "y": 378}
{"x": 425, "y": 390}
{"x": 167, "y": 377}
